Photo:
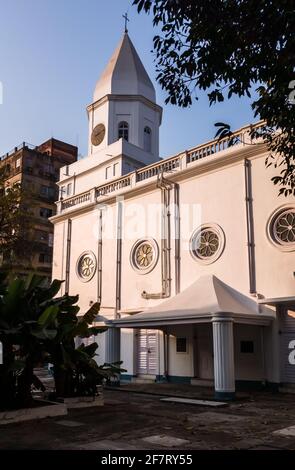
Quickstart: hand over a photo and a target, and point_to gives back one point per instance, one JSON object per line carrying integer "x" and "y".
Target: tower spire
{"x": 126, "y": 21}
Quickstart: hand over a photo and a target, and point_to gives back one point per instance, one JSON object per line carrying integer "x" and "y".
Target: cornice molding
{"x": 142, "y": 99}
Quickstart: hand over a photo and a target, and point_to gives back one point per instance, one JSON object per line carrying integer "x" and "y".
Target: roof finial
{"x": 126, "y": 20}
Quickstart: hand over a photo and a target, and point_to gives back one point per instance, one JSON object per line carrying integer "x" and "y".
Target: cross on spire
{"x": 126, "y": 21}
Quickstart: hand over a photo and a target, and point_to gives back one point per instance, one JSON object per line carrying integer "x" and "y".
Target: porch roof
{"x": 206, "y": 298}
{"x": 288, "y": 302}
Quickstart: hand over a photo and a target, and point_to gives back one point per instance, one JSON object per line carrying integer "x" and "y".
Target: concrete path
{"x": 141, "y": 421}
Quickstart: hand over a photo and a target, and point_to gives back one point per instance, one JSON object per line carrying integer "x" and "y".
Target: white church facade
{"x": 192, "y": 258}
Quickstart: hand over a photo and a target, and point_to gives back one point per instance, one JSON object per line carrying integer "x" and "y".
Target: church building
{"x": 191, "y": 257}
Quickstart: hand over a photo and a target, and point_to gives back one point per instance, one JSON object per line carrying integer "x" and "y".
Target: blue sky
{"x": 51, "y": 54}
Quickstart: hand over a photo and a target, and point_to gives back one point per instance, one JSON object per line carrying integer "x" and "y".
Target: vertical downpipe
{"x": 262, "y": 329}
{"x": 177, "y": 238}
{"x": 68, "y": 256}
{"x": 99, "y": 258}
{"x": 74, "y": 184}
{"x": 165, "y": 353}
{"x": 250, "y": 227}
{"x": 119, "y": 259}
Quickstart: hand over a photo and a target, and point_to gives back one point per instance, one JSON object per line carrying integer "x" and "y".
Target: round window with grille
{"x": 281, "y": 228}
{"x": 144, "y": 255}
{"x": 86, "y": 266}
{"x": 207, "y": 243}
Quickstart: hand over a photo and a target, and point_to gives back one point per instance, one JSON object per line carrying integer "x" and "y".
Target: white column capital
{"x": 222, "y": 317}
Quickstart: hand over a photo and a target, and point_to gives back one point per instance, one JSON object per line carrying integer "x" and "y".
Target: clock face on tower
{"x": 98, "y": 134}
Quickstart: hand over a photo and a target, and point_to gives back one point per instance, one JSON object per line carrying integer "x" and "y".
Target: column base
{"x": 228, "y": 396}
{"x": 112, "y": 382}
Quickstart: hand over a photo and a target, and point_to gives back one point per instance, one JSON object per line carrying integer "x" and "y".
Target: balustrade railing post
{"x": 133, "y": 179}
{"x": 183, "y": 160}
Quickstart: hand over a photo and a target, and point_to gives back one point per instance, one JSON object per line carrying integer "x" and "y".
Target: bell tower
{"x": 124, "y": 107}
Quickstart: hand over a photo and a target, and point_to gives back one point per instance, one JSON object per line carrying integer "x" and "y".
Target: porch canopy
{"x": 206, "y": 298}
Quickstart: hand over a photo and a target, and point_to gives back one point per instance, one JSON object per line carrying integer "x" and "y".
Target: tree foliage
{"x": 37, "y": 327}
{"x": 16, "y": 223}
{"x": 227, "y": 47}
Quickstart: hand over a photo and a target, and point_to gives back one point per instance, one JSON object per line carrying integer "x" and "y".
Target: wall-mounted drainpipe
{"x": 177, "y": 238}
{"x": 165, "y": 187}
{"x": 68, "y": 256}
{"x": 166, "y": 354}
{"x": 99, "y": 257}
{"x": 113, "y": 335}
{"x": 250, "y": 227}
{"x": 119, "y": 259}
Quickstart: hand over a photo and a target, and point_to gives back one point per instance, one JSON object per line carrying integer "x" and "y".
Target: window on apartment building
{"x": 29, "y": 185}
{"x": 108, "y": 172}
{"x": 128, "y": 168}
{"x": 69, "y": 189}
{"x": 41, "y": 236}
{"x": 116, "y": 169}
{"x": 47, "y": 191}
{"x": 45, "y": 212}
{"x": 18, "y": 162}
{"x": 48, "y": 168}
{"x": 123, "y": 130}
{"x": 29, "y": 165}
{"x": 50, "y": 239}
{"x": 45, "y": 258}
{"x": 247, "y": 347}
{"x": 181, "y": 345}
{"x": 7, "y": 169}
{"x": 51, "y": 192}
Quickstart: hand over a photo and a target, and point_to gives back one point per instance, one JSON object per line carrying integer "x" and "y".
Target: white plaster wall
{"x": 109, "y": 253}
{"x": 100, "y": 340}
{"x": 249, "y": 366}
{"x": 59, "y": 247}
{"x": 221, "y": 198}
{"x": 181, "y": 364}
{"x": 128, "y": 351}
{"x": 271, "y": 340}
{"x": 274, "y": 267}
{"x": 90, "y": 171}
{"x": 83, "y": 239}
{"x": 140, "y": 221}
{"x": 137, "y": 114}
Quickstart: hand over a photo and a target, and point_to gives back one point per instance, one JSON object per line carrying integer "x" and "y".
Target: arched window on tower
{"x": 147, "y": 139}
{"x": 123, "y": 130}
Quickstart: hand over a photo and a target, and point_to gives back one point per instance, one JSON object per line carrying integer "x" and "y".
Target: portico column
{"x": 113, "y": 348}
{"x": 223, "y": 347}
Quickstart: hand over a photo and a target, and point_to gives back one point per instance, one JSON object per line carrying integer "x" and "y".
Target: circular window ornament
{"x": 207, "y": 243}
{"x": 281, "y": 228}
{"x": 144, "y": 255}
{"x": 86, "y": 266}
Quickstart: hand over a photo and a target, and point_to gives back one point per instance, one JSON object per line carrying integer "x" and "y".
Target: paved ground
{"x": 139, "y": 421}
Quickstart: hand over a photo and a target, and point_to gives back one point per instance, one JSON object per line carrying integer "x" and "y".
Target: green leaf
{"x": 48, "y": 316}
{"x": 90, "y": 315}
{"x": 55, "y": 287}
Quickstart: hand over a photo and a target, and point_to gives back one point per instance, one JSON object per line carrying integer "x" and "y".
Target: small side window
{"x": 123, "y": 130}
{"x": 147, "y": 138}
{"x": 69, "y": 189}
{"x": 116, "y": 169}
{"x": 247, "y": 347}
{"x": 181, "y": 345}
{"x": 108, "y": 172}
